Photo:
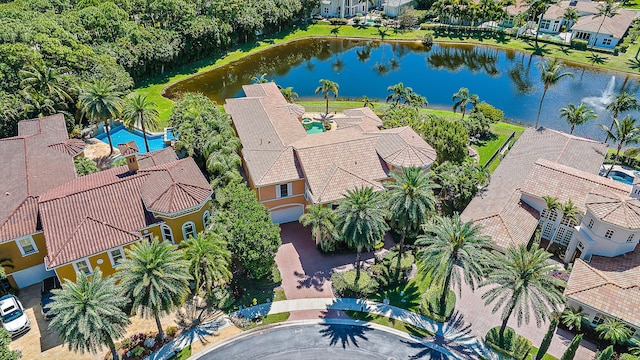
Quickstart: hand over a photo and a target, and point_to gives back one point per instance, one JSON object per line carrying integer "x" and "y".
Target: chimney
{"x": 130, "y": 152}
{"x": 635, "y": 188}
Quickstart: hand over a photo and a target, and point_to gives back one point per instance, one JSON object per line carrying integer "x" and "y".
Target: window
{"x": 83, "y": 266}
{"x": 598, "y": 319}
{"x": 630, "y": 238}
{"x": 546, "y": 232}
{"x": 188, "y": 230}
{"x": 590, "y": 225}
{"x": 580, "y": 246}
{"x": 27, "y": 246}
{"x": 325, "y": 10}
{"x": 606, "y": 41}
{"x": 148, "y": 237}
{"x": 553, "y": 215}
{"x": 116, "y": 255}
{"x": 206, "y": 219}
{"x": 544, "y": 24}
{"x": 567, "y": 221}
{"x": 608, "y": 234}
{"x": 583, "y": 36}
{"x": 167, "y": 234}
{"x": 283, "y": 190}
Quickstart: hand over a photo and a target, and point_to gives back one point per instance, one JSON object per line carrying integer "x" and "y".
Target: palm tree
{"x": 607, "y": 9}
{"x": 450, "y": 242}
{"x": 88, "y": 313}
{"x": 209, "y": 258}
{"x": 524, "y": 286}
{"x": 622, "y": 102}
{"x": 101, "y": 102}
{"x": 550, "y": 74}
{"x": 577, "y": 115}
{"x": 570, "y": 212}
{"x": 411, "y": 200}
{"x": 573, "y": 318}
{"x": 361, "y": 220}
{"x": 137, "y": 110}
{"x": 552, "y": 203}
{"x": 398, "y": 92}
{"x": 366, "y": 102}
{"x": 614, "y": 331}
{"x": 260, "y": 79}
{"x": 463, "y": 98}
{"x": 288, "y": 93}
{"x": 326, "y": 87}
{"x": 571, "y": 14}
{"x": 322, "y": 220}
{"x": 624, "y": 132}
{"x": 45, "y": 81}
{"x": 156, "y": 276}
{"x": 335, "y": 30}
{"x": 5, "y": 262}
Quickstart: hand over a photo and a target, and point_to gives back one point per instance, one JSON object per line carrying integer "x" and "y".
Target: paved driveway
{"x": 306, "y": 272}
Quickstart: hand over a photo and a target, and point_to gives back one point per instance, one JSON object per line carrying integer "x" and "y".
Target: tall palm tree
{"x": 137, "y": 110}
{"x": 624, "y": 132}
{"x": 462, "y": 98}
{"x": 366, "y": 102}
{"x": 550, "y": 73}
{"x": 569, "y": 211}
{"x": 573, "y": 318}
{"x": 88, "y": 313}
{"x": 101, "y": 102}
{"x": 155, "y": 275}
{"x": 209, "y": 258}
{"x": 411, "y": 200}
{"x": 614, "y": 331}
{"x": 322, "y": 220}
{"x": 607, "y": 9}
{"x": 398, "y": 92}
{"x": 523, "y": 285}
{"x": 453, "y": 250}
{"x": 572, "y": 15}
{"x": 326, "y": 87}
{"x": 552, "y": 203}
{"x": 622, "y": 102}
{"x": 46, "y": 81}
{"x": 577, "y": 115}
{"x": 288, "y": 93}
{"x": 361, "y": 220}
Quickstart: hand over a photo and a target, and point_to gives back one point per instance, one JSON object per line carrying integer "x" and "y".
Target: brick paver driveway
{"x": 306, "y": 272}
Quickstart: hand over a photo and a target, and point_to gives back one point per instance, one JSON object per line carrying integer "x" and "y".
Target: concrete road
{"x": 322, "y": 341}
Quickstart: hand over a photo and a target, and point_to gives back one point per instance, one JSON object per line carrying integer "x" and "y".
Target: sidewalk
{"x": 455, "y": 339}
{"x": 189, "y": 337}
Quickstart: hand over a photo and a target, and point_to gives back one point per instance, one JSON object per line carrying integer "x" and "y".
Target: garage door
{"x": 32, "y": 275}
{"x": 289, "y": 214}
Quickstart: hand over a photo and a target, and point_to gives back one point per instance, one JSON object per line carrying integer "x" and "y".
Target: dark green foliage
{"x": 546, "y": 341}
{"x": 432, "y": 308}
{"x": 570, "y": 353}
{"x": 459, "y": 183}
{"x": 5, "y": 352}
{"x": 250, "y": 234}
{"x": 477, "y": 124}
{"x": 579, "y": 44}
{"x": 338, "y": 21}
{"x": 427, "y": 40}
{"x": 628, "y": 357}
{"x": 119, "y": 162}
{"x": 85, "y": 166}
{"x": 490, "y": 112}
{"x": 513, "y": 345}
{"x": 448, "y": 138}
{"x": 344, "y": 284}
{"x": 605, "y": 354}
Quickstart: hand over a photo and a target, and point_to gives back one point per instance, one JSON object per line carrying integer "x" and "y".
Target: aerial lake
{"x": 509, "y": 80}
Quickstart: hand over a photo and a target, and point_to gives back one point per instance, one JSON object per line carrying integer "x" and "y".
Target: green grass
{"x": 269, "y": 319}
{"x": 488, "y": 145}
{"x": 547, "y": 356}
{"x": 184, "y": 354}
{"x": 260, "y": 290}
{"x": 411, "y": 293}
{"x": 154, "y": 86}
{"x": 389, "y": 322}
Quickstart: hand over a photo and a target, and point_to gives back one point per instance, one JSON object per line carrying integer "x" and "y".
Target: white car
{"x": 14, "y": 320}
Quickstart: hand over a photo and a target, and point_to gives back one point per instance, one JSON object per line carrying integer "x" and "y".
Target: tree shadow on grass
{"x": 346, "y": 335}
{"x": 596, "y": 58}
{"x": 485, "y": 139}
{"x": 537, "y": 49}
{"x": 634, "y": 64}
{"x": 406, "y": 296}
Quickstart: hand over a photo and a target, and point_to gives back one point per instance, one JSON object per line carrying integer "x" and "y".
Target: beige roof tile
{"x": 404, "y": 147}
{"x": 615, "y": 209}
{"x": 616, "y": 26}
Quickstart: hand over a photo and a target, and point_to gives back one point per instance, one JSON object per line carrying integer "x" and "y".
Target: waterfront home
{"x": 290, "y": 167}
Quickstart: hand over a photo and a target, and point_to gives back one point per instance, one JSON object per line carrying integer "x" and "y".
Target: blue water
{"x": 170, "y": 135}
{"x": 121, "y": 134}
{"x": 621, "y": 177}
{"x": 316, "y": 128}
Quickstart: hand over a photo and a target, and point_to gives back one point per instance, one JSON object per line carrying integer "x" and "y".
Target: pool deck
{"x": 623, "y": 169}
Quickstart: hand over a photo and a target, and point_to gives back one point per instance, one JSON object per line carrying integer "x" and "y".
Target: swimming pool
{"x": 621, "y": 177}
{"x": 121, "y": 134}
{"x": 316, "y": 127}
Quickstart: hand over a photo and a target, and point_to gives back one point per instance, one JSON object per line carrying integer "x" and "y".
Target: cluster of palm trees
{"x": 153, "y": 280}
{"x": 399, "y": 93}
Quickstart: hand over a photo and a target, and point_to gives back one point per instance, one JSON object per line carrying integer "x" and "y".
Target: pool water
{"x": 121, "y": 134}
{"x": 621, "y": 177}
{"x": 169, "y": 134}
{"x": 315, "y": 128}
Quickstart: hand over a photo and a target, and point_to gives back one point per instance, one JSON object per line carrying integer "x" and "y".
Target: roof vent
{"x": 573, "y": 3}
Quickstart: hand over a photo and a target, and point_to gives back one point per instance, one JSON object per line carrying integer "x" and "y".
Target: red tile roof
{"x": 71, "y": 147}
{"x": 128, "y": 148}
{"x": 32, "y": 164}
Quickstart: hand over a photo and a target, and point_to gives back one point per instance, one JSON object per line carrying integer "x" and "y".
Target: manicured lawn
{"x": 392, "y": 323}
{"x": 258, "y": 290}
{"x": 488, "y": 145}
{"x": 406, "y": 296}
{"x": 547, "y": 356}
{"x": 154, "y": 86}
{"x": 270, "y": 319}
{"x": 184, "y": 354}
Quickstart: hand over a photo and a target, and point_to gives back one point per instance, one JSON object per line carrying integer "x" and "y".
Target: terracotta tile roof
{"x": 128, "y": 148}
{"x": 519, "y": 7}
{"x": 71, "y": 147}
{"x": 157, "y": 157}
{"x": 273, "y": 167}
{"x": 615, "y": 26}
{"x": 617, "y": 209}
{"x": 31, "y": 166}
{"x": 365, "y": 114}
{"x": 514, "y": 170}
{"x": 109, "y": 205}
{"x": 609, "y": 285}
{"x": 174, "y": 186}
{"x": 403, "y": 147}
{"x": 339, "y": 181}
{"x": 566, "y": 183}
{"x": 556, "y": 11}
{"x": 293, "y": 109}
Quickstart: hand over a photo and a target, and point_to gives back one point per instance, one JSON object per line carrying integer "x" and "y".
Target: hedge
{"x": 432, "y": 308}
{"x": 514, "y": 345}
{"x": 344, "y": 284}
